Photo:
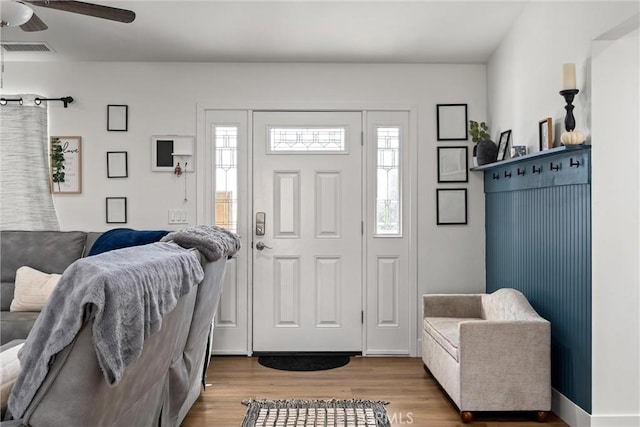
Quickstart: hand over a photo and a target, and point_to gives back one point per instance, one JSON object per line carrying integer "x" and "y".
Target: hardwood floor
{"x": 414, "y": 397}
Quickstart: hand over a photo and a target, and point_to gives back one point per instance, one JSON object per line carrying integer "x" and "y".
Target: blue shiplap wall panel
{"x": 539, "y": 242}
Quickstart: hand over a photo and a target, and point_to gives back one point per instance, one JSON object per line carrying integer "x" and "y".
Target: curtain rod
{"x": 66, "y": 100}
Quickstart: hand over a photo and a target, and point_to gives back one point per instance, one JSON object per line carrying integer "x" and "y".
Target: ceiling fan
{"x": 15, "y": 13}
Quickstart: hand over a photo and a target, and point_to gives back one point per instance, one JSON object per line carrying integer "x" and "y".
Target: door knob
{"x": 260, "y": 246}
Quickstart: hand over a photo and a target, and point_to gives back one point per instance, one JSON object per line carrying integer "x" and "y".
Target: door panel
{"x": 307, "y": 280}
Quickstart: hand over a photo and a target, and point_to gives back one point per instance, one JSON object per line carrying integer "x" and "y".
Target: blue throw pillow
{"x": 123, "y": 238}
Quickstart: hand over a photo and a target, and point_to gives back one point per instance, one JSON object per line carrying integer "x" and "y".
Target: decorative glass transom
{"x": 388, "y": 181}
{"x": 226, "y": 140}
{"x": 307, "y": 139}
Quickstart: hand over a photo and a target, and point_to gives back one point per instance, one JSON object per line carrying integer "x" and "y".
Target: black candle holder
{"x": 569, "y": 120}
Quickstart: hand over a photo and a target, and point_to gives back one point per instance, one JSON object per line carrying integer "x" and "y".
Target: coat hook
{"x": 521, "y": 172}
{"x": 536, "y": 170}
{"x": 554, "y": 167}
{"x": 574, "y": 163}
{"x": 496, "y": 176}
{"x": 507, "y": 175}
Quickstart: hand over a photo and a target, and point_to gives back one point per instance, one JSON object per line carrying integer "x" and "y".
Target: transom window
{"x": 307, "y": 139}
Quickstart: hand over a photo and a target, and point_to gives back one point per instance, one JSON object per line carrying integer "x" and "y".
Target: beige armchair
{"x": 489, "y": 352}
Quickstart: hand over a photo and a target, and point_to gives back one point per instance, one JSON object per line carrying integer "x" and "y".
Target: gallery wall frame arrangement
{"x": 117, "y": 118}
{"x": 453, "y": 164}
{"x": 116, "y": 210}
{"x": 545, "y": 134}
{"x": 452, "y": 122}
{"x": 117, "y": 164}
{"x": 451, "y": 206}
{"x": 66, "y": 164}
{"x": 168, "y": 150}
{"x": 503, "y": 144}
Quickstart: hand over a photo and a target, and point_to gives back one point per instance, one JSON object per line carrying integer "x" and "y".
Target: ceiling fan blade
{"x": 34, "y": 24}
{"x": 89, "y": 9}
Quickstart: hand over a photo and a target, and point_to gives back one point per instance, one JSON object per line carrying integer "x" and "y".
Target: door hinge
{"x": 362, "y": 227}
{"x": 362, "y": 317}
{"x": 362, "y": 138}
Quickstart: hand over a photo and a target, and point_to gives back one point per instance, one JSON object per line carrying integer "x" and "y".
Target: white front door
{"x": 307, "y": 236}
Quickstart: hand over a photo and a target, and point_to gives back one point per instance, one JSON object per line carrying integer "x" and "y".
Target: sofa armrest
{"x": 452, "y": 305}
{"x": 503, "y": 355}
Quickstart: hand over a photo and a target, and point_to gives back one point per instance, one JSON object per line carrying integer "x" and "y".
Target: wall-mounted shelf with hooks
{"x": 565, "y": 165}
{"x": 537, "y": 156}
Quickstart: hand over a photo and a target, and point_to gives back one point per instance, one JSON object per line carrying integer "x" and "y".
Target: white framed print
{"x": 169, "y": 150}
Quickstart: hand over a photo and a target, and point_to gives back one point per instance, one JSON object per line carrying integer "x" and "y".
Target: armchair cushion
{"x": 444, "y": 330}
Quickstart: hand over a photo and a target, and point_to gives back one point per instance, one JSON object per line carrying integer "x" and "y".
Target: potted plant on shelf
{"x": 485, "y": 151}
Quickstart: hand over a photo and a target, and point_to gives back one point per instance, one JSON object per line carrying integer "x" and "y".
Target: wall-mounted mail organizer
{"x": 566, "y": 165}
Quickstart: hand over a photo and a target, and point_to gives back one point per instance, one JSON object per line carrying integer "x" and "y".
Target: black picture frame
{"x": 116, "y": 210}
{"x": 117, "y": 118}
{"x": 117, "y": 164}
{"x": 452, "y": 122}
{"x": 545, "y": 134}
{"x": 451, "y": 206}
{"x": 503, "y": 145}
{"x": 453, "y": 164}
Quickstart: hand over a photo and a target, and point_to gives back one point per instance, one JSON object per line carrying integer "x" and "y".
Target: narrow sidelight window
{"x": 226, "y": 138}
{"x": 388, "y": 181}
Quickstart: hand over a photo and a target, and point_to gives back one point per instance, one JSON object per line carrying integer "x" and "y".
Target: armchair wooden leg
{"x": 466, "y": 416}
{"x": 541, "y": 416}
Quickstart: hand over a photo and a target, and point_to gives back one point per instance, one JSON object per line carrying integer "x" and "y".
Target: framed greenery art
{"x": 66, "y": 164}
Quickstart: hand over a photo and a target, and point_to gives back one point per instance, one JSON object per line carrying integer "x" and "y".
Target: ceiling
{"x": 383, "y": 31}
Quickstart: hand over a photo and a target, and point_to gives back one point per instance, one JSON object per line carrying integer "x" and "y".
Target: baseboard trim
{"x": 615, "y": 420}
{"x": 575, "y": 416}
{"x": 570, "y": 413}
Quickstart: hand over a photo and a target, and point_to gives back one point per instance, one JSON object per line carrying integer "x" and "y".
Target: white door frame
{"x": 205, "y": 181}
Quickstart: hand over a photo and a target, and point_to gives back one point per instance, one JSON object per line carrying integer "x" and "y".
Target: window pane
{"x": 388, "y": 181}
{"x": 307, "y": 139}
{"x": 226, "y": 140}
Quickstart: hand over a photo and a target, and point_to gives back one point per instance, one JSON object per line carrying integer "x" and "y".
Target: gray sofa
{"x": 157, "y": 389}
{"x": 47, "y": 251}
{"x": 489, "y": 352}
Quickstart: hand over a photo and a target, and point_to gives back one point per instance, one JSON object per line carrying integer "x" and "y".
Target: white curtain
{"x": 26, "y": 202}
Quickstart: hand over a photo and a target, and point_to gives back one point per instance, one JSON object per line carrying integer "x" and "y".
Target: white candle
{"x": 568, "y": 76}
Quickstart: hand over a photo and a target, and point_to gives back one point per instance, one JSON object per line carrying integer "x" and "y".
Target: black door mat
{"x": 303, "y": 362}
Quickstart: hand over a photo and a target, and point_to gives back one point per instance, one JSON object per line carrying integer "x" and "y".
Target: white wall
{"x": 163, "y": 99}
{"x": 616, "y": 230}
{"x": 524, "y": 77}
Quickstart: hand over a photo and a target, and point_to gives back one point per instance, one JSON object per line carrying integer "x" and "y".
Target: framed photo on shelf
{"x": 452, "y": 124}
{"x": 117, "y": 118}
{"x": 116, "y": 210}
{"x": 453, "y": 164}
{"x": 545, "y": 134}
{"x": 66, "y": 164}
{"x": 503, "y": 145}
{"x": 117, "y": 166}
{"x": 451, "y": 206}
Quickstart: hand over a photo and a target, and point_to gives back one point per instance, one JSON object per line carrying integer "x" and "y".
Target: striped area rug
{"x": 303, "y": 413}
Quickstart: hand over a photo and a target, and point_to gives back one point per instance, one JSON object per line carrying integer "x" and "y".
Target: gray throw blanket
{"x": 126, "y": 292}
{"x": 212, "y": 241}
